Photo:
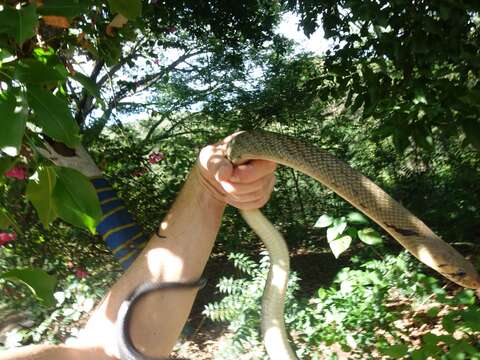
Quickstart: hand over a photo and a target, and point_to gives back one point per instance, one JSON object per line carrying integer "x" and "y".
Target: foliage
{"x": 46, "y": 97}
{"x": 38, "y": 281}
{"x": 412, "y": 65}
{"x": 340, "y": 235}
{"x": 240, "y": 306}
{"x": 372, "y": 309}
{"x": 81, "y": 285}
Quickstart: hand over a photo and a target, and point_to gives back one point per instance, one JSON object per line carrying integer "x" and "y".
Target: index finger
{"x": 252, "y": 170}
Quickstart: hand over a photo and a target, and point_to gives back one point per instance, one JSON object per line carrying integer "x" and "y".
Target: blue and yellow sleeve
{"x": 122, "y": 235}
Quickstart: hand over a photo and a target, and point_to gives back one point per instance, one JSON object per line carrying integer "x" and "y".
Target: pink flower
{"x": 6, "y": 237}
{"x": 156, "y": 157}
{"x": 81, "y": 274}
{"x": 17, "y": 172}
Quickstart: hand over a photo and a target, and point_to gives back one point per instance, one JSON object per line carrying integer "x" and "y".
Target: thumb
{"x": 224, "y": 171}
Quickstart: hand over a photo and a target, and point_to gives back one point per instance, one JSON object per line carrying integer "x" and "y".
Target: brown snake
{"x": 359, "y": 191}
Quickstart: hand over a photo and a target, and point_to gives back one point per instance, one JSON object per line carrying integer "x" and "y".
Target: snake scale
{"x": 355, "y": 188}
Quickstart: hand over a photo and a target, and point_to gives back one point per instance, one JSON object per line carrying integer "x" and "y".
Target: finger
{"x": 241, "y": 188}
{"x": 214, "y": 163}
{"x": 246, "y": 198}
{"x": 252, "y": 171}
{"x": 254, "y": 200}
{"x": 249, "y": 205}
{"x": 223, "y": 144}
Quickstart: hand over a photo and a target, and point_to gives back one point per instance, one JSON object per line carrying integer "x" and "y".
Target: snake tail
{"x": 127, "y": 350}
{"x": 273, "y": 300}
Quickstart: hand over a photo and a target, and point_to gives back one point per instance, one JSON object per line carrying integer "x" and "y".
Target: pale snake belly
{"x": 355, "y": 188}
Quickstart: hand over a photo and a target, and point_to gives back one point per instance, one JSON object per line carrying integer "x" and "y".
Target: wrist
{"x": 206, "y": 185}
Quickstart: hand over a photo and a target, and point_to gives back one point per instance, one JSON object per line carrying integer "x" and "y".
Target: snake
{"x": 351, "y": 185}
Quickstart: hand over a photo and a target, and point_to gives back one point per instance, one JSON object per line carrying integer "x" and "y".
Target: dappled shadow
{"x": 316, "y": 270}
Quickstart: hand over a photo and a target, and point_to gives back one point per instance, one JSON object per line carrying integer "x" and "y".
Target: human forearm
{"x": 189, "y": 229}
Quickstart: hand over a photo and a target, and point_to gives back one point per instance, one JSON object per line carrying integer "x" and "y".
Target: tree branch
{"x": 86, "y": 99}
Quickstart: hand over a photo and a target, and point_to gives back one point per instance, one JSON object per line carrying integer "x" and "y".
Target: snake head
{"x": 235, "y": 148}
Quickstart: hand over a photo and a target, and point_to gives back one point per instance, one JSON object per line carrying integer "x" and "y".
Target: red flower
{"x": 17, "y": 172}
{"x": 6, "y": 237}
{"x": 81, "y": 274}
{"x": 156, "y": 157}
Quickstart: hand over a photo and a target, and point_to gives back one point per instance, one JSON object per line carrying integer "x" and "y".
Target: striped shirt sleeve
{"x": 122, "y": 235}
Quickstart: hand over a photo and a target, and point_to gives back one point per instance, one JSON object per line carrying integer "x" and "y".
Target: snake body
{"x": 359, "y": 191}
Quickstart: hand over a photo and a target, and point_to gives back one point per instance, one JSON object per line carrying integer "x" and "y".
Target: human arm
{"x": 189, "y": 229}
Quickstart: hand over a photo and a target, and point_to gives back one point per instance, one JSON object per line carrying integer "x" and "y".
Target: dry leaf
{"x": 118, "y": 22}
{"x": 56, "y": 21}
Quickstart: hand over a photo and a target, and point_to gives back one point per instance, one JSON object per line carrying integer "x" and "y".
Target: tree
{"x": 43, "y": 46}
{"x": 412, "y": 64}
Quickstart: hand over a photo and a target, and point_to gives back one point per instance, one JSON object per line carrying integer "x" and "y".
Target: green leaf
{"x": 110, "y": 50}
{"x": 4, "y": 54}
{"x": 418, "y": 355}
{"x": 13, "y": 119}
{"x": 433, "y": 312}
{"x": 337, "y": 228}
{"x": 339, "y": 245}
{"x": 131, "y": 9}
{"x": 53, "y": 115}
{"x": 357, "y": 218}
{"x": 472, "y": 319}
{"x": 465, "y": 297}
{"x": 395, "y": 351}
{"x": 68, "y": 8}
{"x": 88, "y": 84}
{"x": 38, "y": 281}
{"x": 323, "y": 221}
{"x": 369, "y": 236}
{"x": 5, "y": 220}
{"x": 352, "y": 232}
{"x": 76, "y": 200}
{"x": 458, "y": 350}
{"x": 31, "y": 71}
{"x": 420, "y": 97}
{"x": 20, "y": 24}
{"x": 448, "y": 323}
{"x": 6, "y": 163}
{"x": 40, "y": 190}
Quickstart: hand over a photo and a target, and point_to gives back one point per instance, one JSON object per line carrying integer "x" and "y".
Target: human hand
{"x": 246, "y": 186}
{"x": 81, "y": 161}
